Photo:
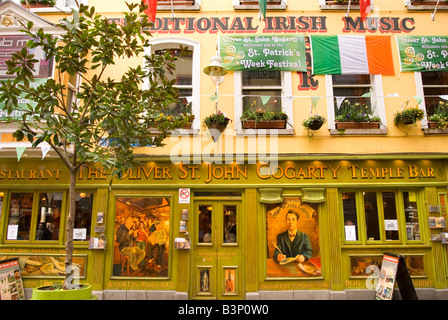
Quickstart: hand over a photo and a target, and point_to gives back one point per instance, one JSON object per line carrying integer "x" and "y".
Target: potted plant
{"x": 356, "y": 116}
{"x": 314, "y": 122}
{"x": 439, "y": 119}
{"x": 263, "y": 119}
{"x": 56, "y": 292}
{"x": 216, "y": 123}
{"x": 408, "y": 115}
{"x": 38, "y": 3}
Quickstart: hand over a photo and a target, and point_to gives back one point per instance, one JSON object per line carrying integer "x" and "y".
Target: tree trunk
{"x": 68, "y": 283}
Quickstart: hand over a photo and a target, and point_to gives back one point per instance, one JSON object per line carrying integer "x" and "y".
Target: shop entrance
{"x": 217, "y": 269}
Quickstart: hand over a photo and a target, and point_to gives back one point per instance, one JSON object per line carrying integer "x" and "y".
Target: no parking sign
{"x": 184, "y": 195}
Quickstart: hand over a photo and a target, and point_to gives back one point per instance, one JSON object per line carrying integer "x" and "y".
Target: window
{"x": 378, "y": 216}
{"x": 253, "y": 4}
{"x": 263, "y": 89}
{"x": 165, "y": 5}
{"x": 37, "y": 216}
{"x": 345, "y": 91}
{"x": 338, "y": 4}
{"x": 186, "y": 74}
{"x": 64, "y": 5}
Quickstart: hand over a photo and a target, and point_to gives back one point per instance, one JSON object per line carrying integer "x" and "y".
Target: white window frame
{"x": 238, "y": 6}
{"x": 377, "y": 103}
{"x": 60, "y": 6}
{"x": 430, "y": 7}
{"x": 286, "y": 91}
{"x": 195, "y": 75}
{"x": 196, "y": 6}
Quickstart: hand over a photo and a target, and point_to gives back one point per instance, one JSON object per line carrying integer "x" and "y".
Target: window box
{"x": 342, "y": 125}
{"x": 338, "y": 4}
{"x": 264, "y": 124}
{"x": 425, "y": 4}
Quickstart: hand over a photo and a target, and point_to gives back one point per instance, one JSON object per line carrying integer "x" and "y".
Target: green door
{"x": 216, "y": 248}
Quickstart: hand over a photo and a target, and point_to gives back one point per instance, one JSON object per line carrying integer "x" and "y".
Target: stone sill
{"x": 179, "y": 132}
{"x": 434, "y": 131}
{"x": 358, "y": 132}
{"x": 54, "y": 9}
{"x": 250, "y": 132}
{"x": 339, "y": 7}
{"x": 255, "y": 7}
{"x": 427, "y": 7}
{"x": 195, "y": 7}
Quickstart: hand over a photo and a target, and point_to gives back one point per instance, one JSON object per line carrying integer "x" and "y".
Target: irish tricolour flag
{"x": 352, "y": 54}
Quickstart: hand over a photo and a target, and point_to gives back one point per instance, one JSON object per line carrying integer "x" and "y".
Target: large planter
{"x": 82, "y": 292}
{"x": 264, "y": 124}
{"x": 216, "y": 129}
{"x": 343, "y": 125}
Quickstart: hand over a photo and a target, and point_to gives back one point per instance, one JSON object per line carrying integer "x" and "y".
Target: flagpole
{"x": 433, "y": 15}
{"x": 348, "y": 8}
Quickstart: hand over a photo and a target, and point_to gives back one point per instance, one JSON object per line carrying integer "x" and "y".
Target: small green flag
{"x": 419, "y": 99}
{"x": 20, "y": 151}
{"x": 314, "y": 101}
{"x": 214, "y": 97}
{"x": 265, "y": 99}
{"x": 262, "y": 4}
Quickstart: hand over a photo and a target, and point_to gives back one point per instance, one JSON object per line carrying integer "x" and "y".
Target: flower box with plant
{"x": 408, "y": 115}
{"x": 356, "y": 116}
{"x": 439, "y": 119}
{"x": 38, "y": 3}
{"x": 263, "y": 119}
{"x": 216, "y": 123}
{"x": 314, "y": 122}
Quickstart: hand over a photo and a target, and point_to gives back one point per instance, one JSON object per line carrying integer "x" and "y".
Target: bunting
{"x": 364, "y": 8}
{"x": 263, "y": 4}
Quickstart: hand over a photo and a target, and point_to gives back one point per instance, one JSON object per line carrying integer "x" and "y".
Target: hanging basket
{"x": 315, "y": 125}
{"x": 216, "y": 129}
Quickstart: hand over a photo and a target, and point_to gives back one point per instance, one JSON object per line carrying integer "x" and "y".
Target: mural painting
{"x": 292, "y": 235}
{"x": 141, "y": 237}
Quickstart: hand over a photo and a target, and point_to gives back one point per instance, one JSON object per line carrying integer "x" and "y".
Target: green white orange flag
{"x": 352, "y": 54}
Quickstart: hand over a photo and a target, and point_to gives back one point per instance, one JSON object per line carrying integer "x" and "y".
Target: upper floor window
{"x": 356, "y": 99}
{"x": 51, "y": 5}
{"x": 254, "y": 5}
{"x": 165, "y": 5}
{"x": 338, "y": 4}
{"x": 186, "y": 74}
{"x": 433, "y": 86}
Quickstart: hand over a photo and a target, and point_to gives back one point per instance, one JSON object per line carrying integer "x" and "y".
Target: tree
{"x": 109, "y": 117}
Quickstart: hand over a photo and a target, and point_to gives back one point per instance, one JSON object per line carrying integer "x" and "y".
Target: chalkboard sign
{"x": 11, "y": 286}
{"x": 393, "y": 270}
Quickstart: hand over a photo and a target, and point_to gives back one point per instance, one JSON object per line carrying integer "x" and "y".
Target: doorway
{"x": 216, "y": 243}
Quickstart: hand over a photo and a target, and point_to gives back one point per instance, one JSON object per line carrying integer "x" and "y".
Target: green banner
{"x": 260, "y": 52}
{"x": 423, "y": 53}
{"x": 17, "y": 113}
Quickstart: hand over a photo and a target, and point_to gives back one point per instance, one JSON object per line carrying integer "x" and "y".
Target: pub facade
{"x": 256, "y": 212}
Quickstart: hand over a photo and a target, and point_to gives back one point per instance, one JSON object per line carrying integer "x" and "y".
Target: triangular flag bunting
{"x": 151, "y": 10}
{"x": 44, "y": 147}
{"x": 419, "y": 99}
{"x": 20, "y": 151}
{"x": 444, "y": 97}
{"x": 262, "y": 4}
{"x": 214, "y": 97}
{"x": 364, "y": 8}
{"x": 314, "y": 101}
{"x": 189, "y": 99}
{"x": 265, "y": 99}
{"x": 339, "y": 101}
{"x": 367, "y": 94}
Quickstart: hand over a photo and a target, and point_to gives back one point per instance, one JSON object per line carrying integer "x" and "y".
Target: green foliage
{"x": 308, "y": 122}
{"x": 440, "y": 115}
{"x": 355, "y": 112}
{"x": 262, "y": 114}
{"x": 216, "y": 118}
{"x": 115, "y": 110}
{"x": 408, "y": 115}
{"x": 44, "y": 2}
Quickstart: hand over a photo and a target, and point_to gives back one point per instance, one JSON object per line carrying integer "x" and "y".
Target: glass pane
{"x": 20, "y": 210}
{"x": 184, "y": 65}
{"x": 411, "y": 215}
{"x": 142, "y": 232}
{"x": 205, "y": 224}
{"x": 2, "y": 195}
{"x": 390, "y": 216}
{"x": 181, "y": 106}
{"x": 432, "y": 98}
{"x": 83, "y": 215}
{"x": 252, "y": 99}
{"x": 49, "y": 218}
{"x": 258, "y": 78}
{"x": 229, "y": 224}
{"x": 371, "y": 214}
{"x": 351, "y": 79}
{"x": 350, "y": 216}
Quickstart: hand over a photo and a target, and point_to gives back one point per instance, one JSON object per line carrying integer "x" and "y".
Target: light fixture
{"x": 215, "y": 70}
